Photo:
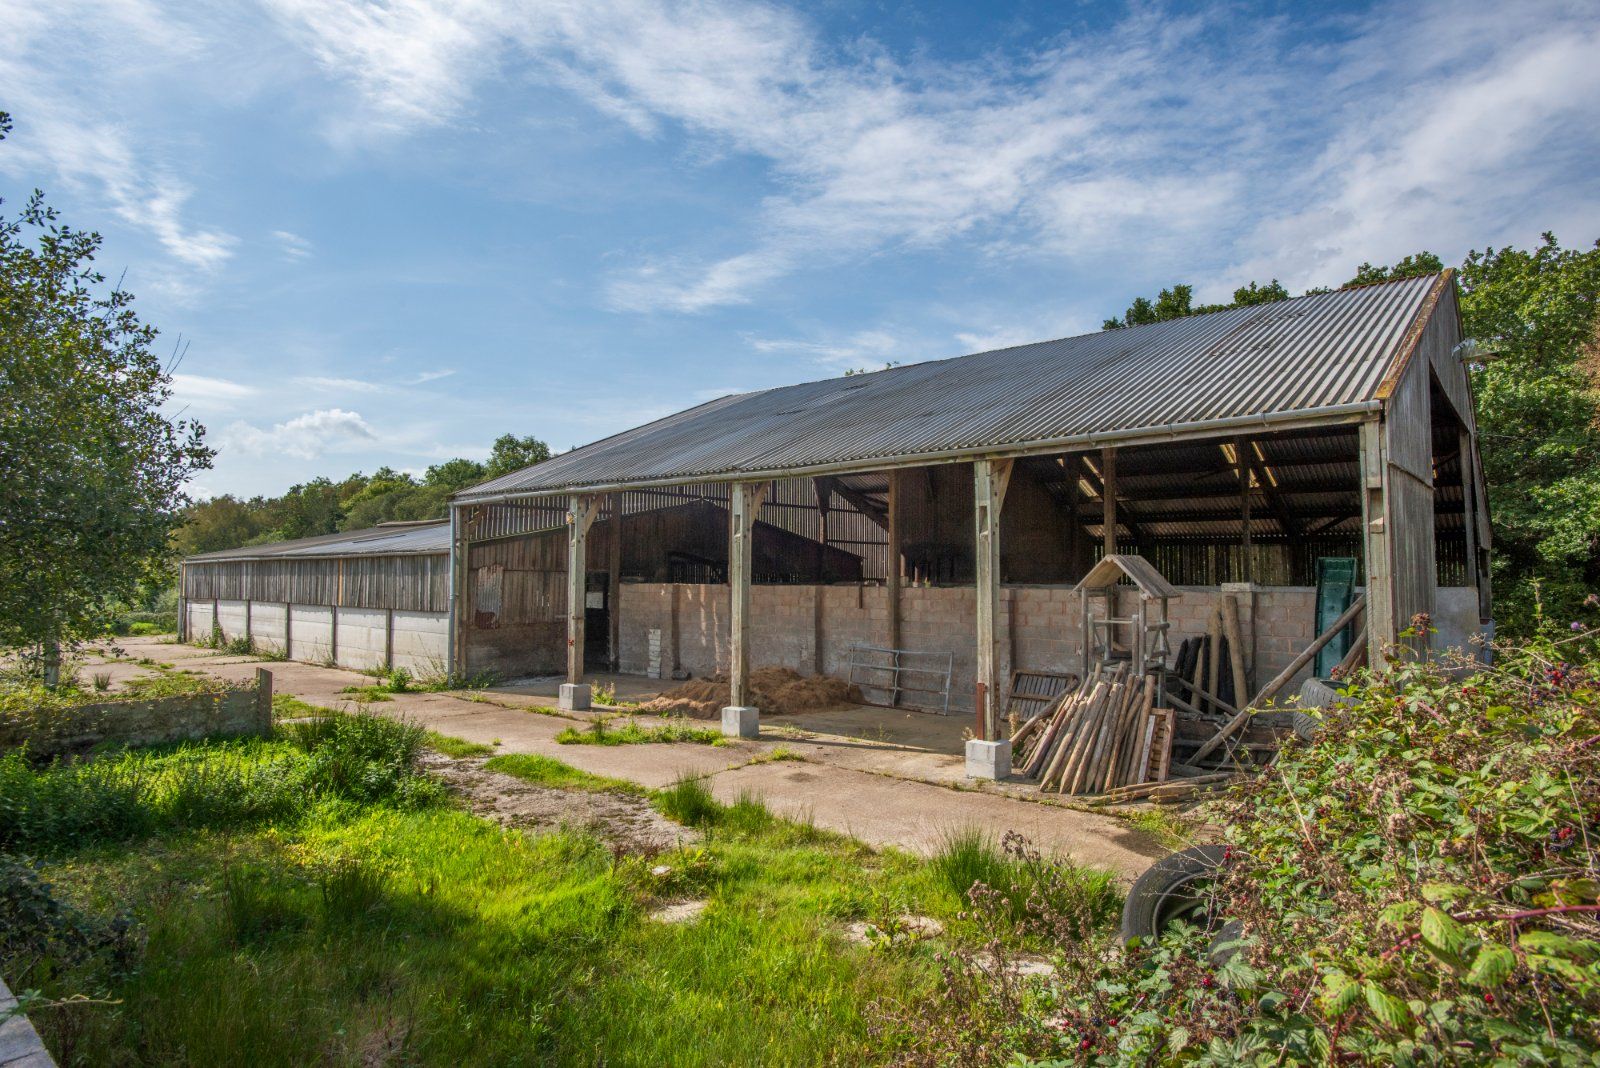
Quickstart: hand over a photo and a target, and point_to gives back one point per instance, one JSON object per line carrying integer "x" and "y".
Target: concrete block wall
{"x": 1038, "y": 627}
{"x": 363, "y": 638}
{"x": 420, "y": 640}
{"x": 232, "y": 617}
{"x": 198, "y": 625}
{"x": 310, "y": 633}
{"x": 269, "y": 626}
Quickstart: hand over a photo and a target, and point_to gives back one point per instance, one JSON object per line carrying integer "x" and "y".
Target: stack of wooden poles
{"x": 1101, "y": 735}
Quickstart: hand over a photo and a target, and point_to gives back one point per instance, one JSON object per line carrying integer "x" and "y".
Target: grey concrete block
{"x": 988, "y": 760}
{"x": 574, "y": 697}
{"x": 741, "y": 721}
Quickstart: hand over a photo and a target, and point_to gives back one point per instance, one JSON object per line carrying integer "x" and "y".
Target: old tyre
{"x": 1173, "y": 888}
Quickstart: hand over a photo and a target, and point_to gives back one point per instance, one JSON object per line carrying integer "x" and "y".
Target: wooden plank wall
{"x": 1408, "y": 478}
{"x": 407, "y": 583}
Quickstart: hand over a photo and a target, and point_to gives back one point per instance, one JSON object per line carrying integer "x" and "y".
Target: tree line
{"x": 355, "y": 502}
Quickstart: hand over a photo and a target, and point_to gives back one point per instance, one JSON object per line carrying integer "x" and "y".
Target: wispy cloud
{"x": 291, "y": 245}
{"x": 1164, "y": 138}
{"x": 304, "y": 437}
{"x": 66, "y": 107}
{"x": 218, "y": 392}
{"x": 339, "y": 385}
{"x": 424, "y": 377}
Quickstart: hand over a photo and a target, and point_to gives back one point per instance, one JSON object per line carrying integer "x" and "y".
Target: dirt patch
{"x": 777, "y": 691}
{"x": 629, "y": 824}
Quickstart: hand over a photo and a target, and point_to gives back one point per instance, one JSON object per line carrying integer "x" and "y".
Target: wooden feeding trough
{"x": 1140, "y": 638}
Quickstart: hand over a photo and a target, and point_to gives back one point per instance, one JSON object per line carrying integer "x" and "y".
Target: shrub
{"x": 37, "y": 926}
{"x": 689, "y": 801}
{"x": 1418, "y": 884}
{"x": 361, "y": 756}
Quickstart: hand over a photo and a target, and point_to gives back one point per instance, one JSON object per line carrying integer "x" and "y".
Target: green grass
{"x": 970, "y": 856}
{"x": 633, "y": 733}
{"x": 386, "y": 926}
{"x": 288, "y": 706}
{"x": 369, "y": 694}
{"x": 452, "y": 746}
{"x": 1168, "y": 828}
{"x": 547, "y": 771}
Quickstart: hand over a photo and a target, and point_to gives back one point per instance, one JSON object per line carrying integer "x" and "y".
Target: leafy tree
{"x": 511, "y": 453}
{"x": 93, "y": 470}
{"x": 457, "y": 474}
{"x": 1411, "y": 267}
{"x": 1538, "y": 401}
{"x": 224, "y": 522}
{"x": 1178, "y": 303}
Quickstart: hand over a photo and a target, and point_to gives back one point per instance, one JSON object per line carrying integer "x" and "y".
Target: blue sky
{"x": 388, "y": 233}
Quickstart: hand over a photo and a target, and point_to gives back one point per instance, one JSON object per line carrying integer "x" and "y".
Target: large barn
{"x": 945, "y": 508}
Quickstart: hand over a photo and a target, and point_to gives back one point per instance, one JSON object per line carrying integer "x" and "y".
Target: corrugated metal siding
{"x": 1296, "y": 355}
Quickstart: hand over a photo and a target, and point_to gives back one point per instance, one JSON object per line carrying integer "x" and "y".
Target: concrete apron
{"x": 885, "y": 790}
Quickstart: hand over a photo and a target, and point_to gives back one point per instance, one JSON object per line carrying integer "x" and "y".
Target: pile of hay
{"x": 777, "y": 691}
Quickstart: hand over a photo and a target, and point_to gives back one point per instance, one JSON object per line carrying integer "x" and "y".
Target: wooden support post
{"x": 824, "y": 490}
{"x": 614, "y": 586}
{"x": 1470, "y": 505}
{"x": 456, "y": 654}
{"x": 1382, "y": 631}
{"x": 1241, "y": 463}
{"x": 746, "y": 500}
{"x": 581, "y": 510}
{"x": 183, "y": 602}
{"x": 896, "y": 565}
{"x": 1071, "y": 466}
{"x": 388, "y": 639}
{"x": 1108, "y": 496}
{"x": 990, "y": 479}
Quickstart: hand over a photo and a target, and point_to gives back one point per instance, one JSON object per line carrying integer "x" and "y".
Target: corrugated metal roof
{"x": 376, "y": 541}
{"x": 1273, "y": 360}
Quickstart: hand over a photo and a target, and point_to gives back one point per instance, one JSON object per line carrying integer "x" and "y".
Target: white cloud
{"x": 291, "y": 245}
{"x": 218, "y": 392}
{"x": 339, "y": 385}
{"x": 66, "y": 100}
{"x": 424, "y": 377}
{"x": 1161, "y": 140}
{"x": 304, "y": 437}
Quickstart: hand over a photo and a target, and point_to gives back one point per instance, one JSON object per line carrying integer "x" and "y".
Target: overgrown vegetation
{"x": 1420, "y": 884}
{"x": 633, "y": 732}
{"x": 548, "y": 771}
{"x": 192, "y": 893}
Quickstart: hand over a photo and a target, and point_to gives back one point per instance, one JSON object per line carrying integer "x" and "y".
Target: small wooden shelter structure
{"x": 1146, "y": 646}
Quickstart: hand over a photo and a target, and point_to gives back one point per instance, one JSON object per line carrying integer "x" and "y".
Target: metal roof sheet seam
{"x": 1319, "y": 356}
{"x": 377, "y": 541}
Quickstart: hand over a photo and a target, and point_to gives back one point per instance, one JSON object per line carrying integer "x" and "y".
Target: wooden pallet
{"x": 1032, "y": 691}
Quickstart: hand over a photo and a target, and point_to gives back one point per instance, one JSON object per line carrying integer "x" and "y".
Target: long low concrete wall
{"x": 364, "y": 639}
{"x": 811, "y": 628}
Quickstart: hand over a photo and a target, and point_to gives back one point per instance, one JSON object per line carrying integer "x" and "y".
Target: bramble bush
{"x": 1418, "y": 884}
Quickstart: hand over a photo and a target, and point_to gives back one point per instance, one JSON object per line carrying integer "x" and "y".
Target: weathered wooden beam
{"x": 1108, "y": 499}
{"x": 1382, "y": 630}
{"x": 864, "y": 504}
{"x": 990, "y": 479}
{"x": 581, "y": 511}
{"x": 746, "y": 506}
{"x": 614, "y": 586}
{"x": 896, "y": 564}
